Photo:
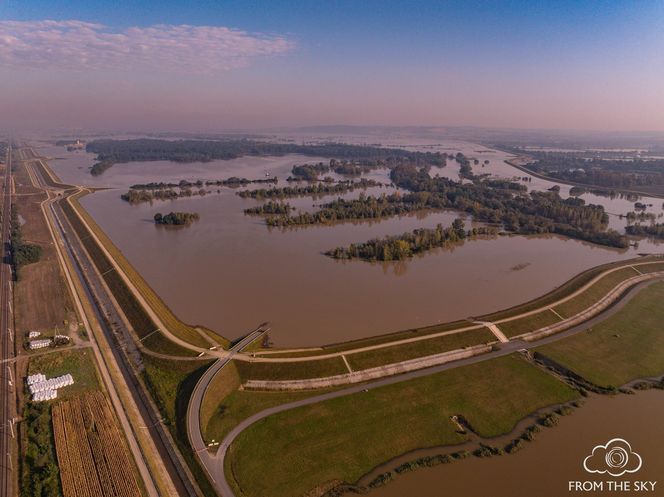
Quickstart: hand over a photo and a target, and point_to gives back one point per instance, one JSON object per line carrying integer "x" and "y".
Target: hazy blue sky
{"x": 221, "y": 64}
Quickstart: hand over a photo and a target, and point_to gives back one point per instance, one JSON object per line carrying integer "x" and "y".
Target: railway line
{"x": 7, "y": 348}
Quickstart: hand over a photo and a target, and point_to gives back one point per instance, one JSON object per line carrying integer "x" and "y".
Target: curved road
{"x": 194, "y": 431}
{"x": 225, "y": 489}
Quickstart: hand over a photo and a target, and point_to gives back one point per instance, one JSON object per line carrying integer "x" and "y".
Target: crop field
{"x": 92, "y": 455}
{"x": 41, "y": 281}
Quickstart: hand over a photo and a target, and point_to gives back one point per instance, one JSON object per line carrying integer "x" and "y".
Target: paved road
{"x": 7, "y": 391}
{"x": 225, "y": 489}
{"x": 207, "y": 460}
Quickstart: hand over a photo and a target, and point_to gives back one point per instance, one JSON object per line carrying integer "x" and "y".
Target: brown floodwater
{"x": 545, "y": 467}
{"x": 230, "y": 272}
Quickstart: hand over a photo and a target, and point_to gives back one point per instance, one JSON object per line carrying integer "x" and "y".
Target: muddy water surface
{"x": 230, "y": 272}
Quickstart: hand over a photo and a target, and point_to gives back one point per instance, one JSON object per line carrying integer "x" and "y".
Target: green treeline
{"x": 176, "y": 218}
{"x": 633, "y": 217}
{"x": 397, "y": 248}
{"x": 311, "y": 172}
{"x": 270, "y": 207}
{"x": 21, "y": 253}
{"x": 308, "y": 190}
{"x": 604, "y": 172}
{"x": 113, "y": 151}
{"x": 99, "y": 167}
{"x": 654, "y": 230}
{"x": 140, "y": 196}
{"x": 40, "y": 476}
{"x": 232, "y": 181}
{"x": 538, "y": 212}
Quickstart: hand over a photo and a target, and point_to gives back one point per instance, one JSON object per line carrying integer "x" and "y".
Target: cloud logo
{"x": 616, "y": 458}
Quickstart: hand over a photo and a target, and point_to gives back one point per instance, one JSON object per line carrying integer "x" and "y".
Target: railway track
{"x": 7, "y": 391}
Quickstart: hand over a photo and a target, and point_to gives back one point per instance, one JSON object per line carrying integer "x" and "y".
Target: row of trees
{"x": 176, "y": 218}
{"x": 231, "y": 182}
{"x": 619, "y": 173}
{"x": 309, "y": 172}
{"x": 41, "y": 477}
{"x": 22, "y": 253}
{"x": 515, "y": 211}
{"x": 397, "y": 248}
{"x": 141, "y": 196}
{"x": 270, "y": 207}
{"x": 655, "y": 230}
{"x": 114, "y": 151}
{"x": 316, "y": 189}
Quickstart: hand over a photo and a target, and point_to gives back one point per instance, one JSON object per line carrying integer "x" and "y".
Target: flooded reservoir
{"x": 229, "y": 272}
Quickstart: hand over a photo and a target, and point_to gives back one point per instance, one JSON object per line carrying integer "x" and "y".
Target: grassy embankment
{"x": 171, "y": 384}
{"x": 627, "y": 346}
{"x": 141, "y": 322}
{"x": 344, "y": 438}
{"x": 519, "y": 327}
{"x": 420, "y": 348}
{"x": 578, "y": 303}
{"x": 192, "y": 334}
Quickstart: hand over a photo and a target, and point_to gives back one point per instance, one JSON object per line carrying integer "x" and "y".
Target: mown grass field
{"x": 240, "y": 404}
{"x": 224, "y": 406}
{"x": 79, "y": 362}
{"x": 420, "y": 348}
{"x": 627, "y": 346}
{"x": 290, "y": 453}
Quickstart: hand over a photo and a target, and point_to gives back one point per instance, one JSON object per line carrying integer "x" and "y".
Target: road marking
{"x": 108, "y": 271}
{"x": 495, "y": 330}
{"x": 636, "y": 270}
{"x": 346, "y": 363}
{"x": 149, "y": 334}
{"x": 552, "y": 310}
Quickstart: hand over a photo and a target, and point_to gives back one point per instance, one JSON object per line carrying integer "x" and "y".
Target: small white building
{"x": 39, "y": 344}
{"x": 43, "y": 389}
